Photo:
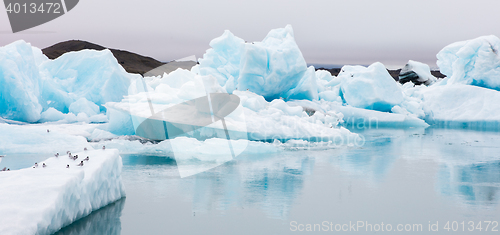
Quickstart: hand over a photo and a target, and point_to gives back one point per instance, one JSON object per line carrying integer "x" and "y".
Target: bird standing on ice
{"x": 44, "y": 165}
{"x": 36, "y": 164}
{"x": 57, "y": 154}
{"x": 81, "y": 163}
{"x": 103, "y": 147}
{"x": 67, "y": 166}
{"x": 87, "y": 158}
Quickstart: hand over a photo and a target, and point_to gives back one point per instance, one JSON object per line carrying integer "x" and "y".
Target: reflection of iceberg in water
{"x": 469, "y": 169}
{"x": 374, "y": 160}
{"x": 272, "y": 184}
{"x": 476, "y": 184}
{"x": 103, "y": 221}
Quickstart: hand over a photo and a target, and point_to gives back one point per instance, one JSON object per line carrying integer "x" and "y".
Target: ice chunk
{"x": 223, "y": 59}
{"x": 42, "y": 200}
{"x": 473, "y": 62}
{"x": 307, "y": 87}
{"x": 54, "y": 115}
{"x": 370, "y": 88}
{"x": 461, "y": 106}
{"x": 324, "y": 75}
{"x": 271, "y": 68}
{"x": 99, "y": 134}
{"x": 416, "y": 72}
{"x": 263, "y": 120}
{"x": 367, "y": 119}
{"x": 19, "y": 79}
{"x": 93, "y": 75}
{"x": 251, "y": 100}
{"x": 82, "y": 105}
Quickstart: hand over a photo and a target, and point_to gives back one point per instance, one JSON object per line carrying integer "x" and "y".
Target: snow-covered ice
{"x": 42, "y": 200}
{"x": 416, "y": 72}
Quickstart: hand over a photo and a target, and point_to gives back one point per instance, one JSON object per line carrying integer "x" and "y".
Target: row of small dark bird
{"x": 57, "y": 155}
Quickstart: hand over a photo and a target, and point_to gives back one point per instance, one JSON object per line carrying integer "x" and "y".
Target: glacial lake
{"x": 416, "y": 179}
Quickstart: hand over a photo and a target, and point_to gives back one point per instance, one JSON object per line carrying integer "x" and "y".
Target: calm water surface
{"x": 407, "y": 177}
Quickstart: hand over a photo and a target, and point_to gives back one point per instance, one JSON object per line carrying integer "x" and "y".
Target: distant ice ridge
{"x": 73, "y": 87}
{"x": 42, "y": 200}
{"x": 472, "y": 62}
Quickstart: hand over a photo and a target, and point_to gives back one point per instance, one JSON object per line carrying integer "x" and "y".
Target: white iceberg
{"x": 254, "y": 119}
{"x": 370, "y": 87}
{"x": 416, "y": 72}
{"x": 461, "y": 106}
{"x": 20, "y": 82}
{"x": 473, "y": 62}
{"x": 273, "y": 68}
{"x": 42, "y": 200}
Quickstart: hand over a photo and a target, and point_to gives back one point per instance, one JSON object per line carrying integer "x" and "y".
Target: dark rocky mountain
{"x": 131, "y": 62}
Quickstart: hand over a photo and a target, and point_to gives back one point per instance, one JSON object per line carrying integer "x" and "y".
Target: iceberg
{"x": 20, "y": 82}
{"x": 273, "y": 68}
{"x": 76, "y": 82}
{"x": 473, "y": 62}
{"x": 93, "y": 75}
{"x": 360, "y": 119}
{"x": 416, "y": 72}
{"x": 369, "y": 88}
{"x": 42, "y": 200}
{"x": 262, "y": 120}
{"x": 461, "y": 106}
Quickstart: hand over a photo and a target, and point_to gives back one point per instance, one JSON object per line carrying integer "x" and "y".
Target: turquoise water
{"x": 414, "y": 177}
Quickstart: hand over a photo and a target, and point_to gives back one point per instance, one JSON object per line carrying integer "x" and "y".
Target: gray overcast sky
{"x": 328, "y": 32}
